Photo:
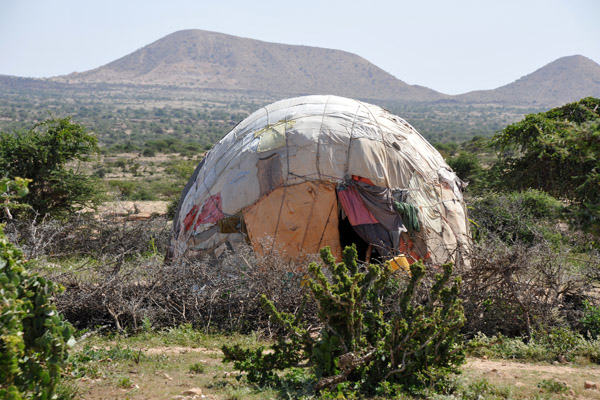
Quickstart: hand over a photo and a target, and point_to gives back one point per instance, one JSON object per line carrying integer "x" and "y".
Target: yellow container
{"x": 399, "y": 262}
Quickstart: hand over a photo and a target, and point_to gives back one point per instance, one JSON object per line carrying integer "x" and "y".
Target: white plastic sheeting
{"x": 321, "y": 138}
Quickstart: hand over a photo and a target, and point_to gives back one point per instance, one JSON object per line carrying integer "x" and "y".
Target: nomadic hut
{"x": 321, "y": 171}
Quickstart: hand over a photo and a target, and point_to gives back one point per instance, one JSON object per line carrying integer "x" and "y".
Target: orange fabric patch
{"x": 406, "y": 246}
{"x": 363, "y": 180}
{"x": 301, "y": 219}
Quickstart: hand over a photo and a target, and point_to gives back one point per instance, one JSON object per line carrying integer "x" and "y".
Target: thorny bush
{"x": 105, "y": 238}
{"x": 527, "y": 269}
{"x": 414, "y": 342}
{"x": 516, "y": 290}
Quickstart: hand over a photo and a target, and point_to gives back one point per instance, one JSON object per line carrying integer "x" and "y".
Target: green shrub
{"x": 172, "y": 207}
{"x": 591, "y": 319}
{"x": 557, "y": 341}
{"x": 516, "y": 216}
{"x": 552, "y": 386}
{"x": 33, "y": 337}
{"x": 466, "y": 165}
{"x": 134, "y": 190}
{"x": 85, "y": 362}
{"x": 124, "y": 382}
{"x": 498, "y": 346}
{"x": 45, "y": 155}
{"x": 480, "y": 389}
{"x": 197, "y": 368}
{"x": 10, "y": 191}
{"x": 539, "y": 204}
{"x": 545, "y": 345}
{"x": 589, "y": 349}
{"x": 149, "y": 152}
{"x": 126, "y": 188}
{"x": 373, "y": 333}
{"x": 181, "y": 169}
{"x": 555, "y": 151}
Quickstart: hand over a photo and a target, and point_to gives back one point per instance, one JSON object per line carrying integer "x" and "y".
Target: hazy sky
{"x": 452, "y": 46}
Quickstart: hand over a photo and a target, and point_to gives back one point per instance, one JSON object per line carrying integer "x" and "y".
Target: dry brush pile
{"x": 118, "y": 277}
{"x": 114, "y": 275}
{"x": 517, "y": 289}
{"x": 530, "y": 269}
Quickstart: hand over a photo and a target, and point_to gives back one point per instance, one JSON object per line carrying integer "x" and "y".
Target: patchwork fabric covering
{"x": 296, "y": 169}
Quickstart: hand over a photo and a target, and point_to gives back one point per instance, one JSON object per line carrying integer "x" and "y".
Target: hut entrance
{"x": 348, "y": 236}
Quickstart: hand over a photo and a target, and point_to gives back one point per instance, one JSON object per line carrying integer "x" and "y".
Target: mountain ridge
{"x": 203, "y": 59}
{"x": 211, "y": 60}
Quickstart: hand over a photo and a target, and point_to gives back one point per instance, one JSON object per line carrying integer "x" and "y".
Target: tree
{"x": 557, "y": 151}
{"x": 48, "y": 155}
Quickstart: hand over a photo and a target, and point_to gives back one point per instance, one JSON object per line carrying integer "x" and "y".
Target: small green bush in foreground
{"x": 377, "y": 331}
{"x": 33, "y": 337}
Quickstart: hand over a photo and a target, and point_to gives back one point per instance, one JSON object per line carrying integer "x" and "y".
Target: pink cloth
{"x": 354, "y": 207}
{"x": 211, "y": 213}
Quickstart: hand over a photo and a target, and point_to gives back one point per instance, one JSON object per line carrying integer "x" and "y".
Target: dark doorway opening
{"x": 348, "y": 236}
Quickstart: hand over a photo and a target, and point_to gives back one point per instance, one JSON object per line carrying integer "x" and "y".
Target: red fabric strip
{"x": 211, "y": 211}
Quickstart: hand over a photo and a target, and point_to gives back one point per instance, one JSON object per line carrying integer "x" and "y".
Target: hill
{"x": 202, "y": 59}
{"x": 197, "y": 59}
{"x": 562, "y": 81}
{"x": 195, "y": 85}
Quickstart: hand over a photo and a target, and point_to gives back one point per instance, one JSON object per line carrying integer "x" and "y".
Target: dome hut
{"x": 319, "y": 171}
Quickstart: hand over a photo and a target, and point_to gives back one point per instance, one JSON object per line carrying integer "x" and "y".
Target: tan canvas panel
{"x": 301, "y": 218}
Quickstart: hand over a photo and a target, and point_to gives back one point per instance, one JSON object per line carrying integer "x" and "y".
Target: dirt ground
{"x": 523, "y": 378}
{"x": 166, "y": 373}
{"x": 134, "y": 207}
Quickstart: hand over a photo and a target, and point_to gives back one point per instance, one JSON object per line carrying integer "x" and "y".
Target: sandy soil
{"x": 134, "y": 207}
